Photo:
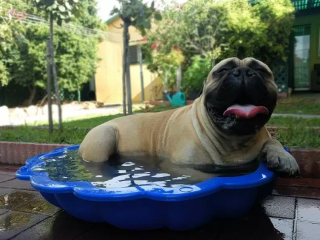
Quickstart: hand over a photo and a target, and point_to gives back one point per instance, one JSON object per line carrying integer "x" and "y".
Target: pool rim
{"x": 86, "y": 191}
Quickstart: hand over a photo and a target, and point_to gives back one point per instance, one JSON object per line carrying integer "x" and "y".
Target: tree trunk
{"x": 128, "y": 82}
{"x": 141, "y": 74}
{"x": 49, "y": 87}
{"x": 179, "y": 78}
{"x": 54, "y": 72}
{"x": 124, "y": 70}
{"x": 32, "y": 91}
{"x": 129, "y": 87}
{"x": 165, "y": 80}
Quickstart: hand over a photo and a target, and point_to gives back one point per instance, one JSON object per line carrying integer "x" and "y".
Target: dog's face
{"x": 240, "y": 95}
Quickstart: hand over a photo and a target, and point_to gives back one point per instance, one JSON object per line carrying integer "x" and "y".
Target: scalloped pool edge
{"x": 85, "y": 190}
{"x": 152, "y": 207}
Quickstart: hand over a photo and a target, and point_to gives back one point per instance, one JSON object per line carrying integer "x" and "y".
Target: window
{"x": 134, "y": 54}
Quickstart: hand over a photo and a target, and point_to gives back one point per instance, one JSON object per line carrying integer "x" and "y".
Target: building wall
{"x": 314, "y": 22}
{"x": 108, "y": 75}
{"x": 108, "y": 79}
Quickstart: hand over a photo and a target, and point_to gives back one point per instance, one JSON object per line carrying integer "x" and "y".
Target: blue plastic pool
{"x": 151, "y": 207}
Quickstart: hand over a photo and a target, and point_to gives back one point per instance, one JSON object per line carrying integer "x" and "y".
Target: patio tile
{"x": 11, "y": 173}
{"x": 64, "y": 214}
{"x": 308, "y": 231}
{"x": 285, "y": 226}
{"x": 17, "y": 184}
{"x": 55, "y": 228}
{"x": 308, "y": 210}
{"x": 279, "y": 207}
{"x": 12, "y": 223}
{"x": 255, "y": 226}
{"x": 262, "y": 229}
{"x": 5, "y": 191}
{"x": 3, "y": 196}
{"x": 28, "y": 201}
{"x": 8, "y": 169}
{"x": 4, "y": 178}
{"x": 102, "y": 231}
{"x": 3, "y": 211}
{"x": 14, "y": 199}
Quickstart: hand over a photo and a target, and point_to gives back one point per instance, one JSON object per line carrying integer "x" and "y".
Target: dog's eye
{"x": 222, "y": 70}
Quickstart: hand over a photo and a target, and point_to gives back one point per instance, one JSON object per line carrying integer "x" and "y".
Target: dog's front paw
{"x": 280, "y": 161}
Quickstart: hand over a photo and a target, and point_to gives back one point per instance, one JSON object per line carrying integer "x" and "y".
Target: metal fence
{"x": 280, "y": 72}
{"x": 301, "y": 76}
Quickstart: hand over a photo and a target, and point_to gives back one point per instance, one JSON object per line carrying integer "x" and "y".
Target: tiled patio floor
{"x": 24, "y": 214}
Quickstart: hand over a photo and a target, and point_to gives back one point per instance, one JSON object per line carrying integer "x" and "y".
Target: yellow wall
{"x": 152, "y": 84}
{"x": 109, "y": 73}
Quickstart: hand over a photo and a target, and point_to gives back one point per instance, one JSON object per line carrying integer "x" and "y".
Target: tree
{"x": 214, "y": 30}
{"x": 166, "y": 64}
{"x": 24, "y": 61}
{"x": 7, "y": 31}
{"x": 261, "y": 30}
{"x": 195, "y": 75}
{"x": 192, "y": 27}
{"x": 76, "y": 59}
{"x": 24, "y": 54}
{"x": 60, "y": 10}
{"x": 277, "y": 16}
{"x": 29, "y": 65}
{"x": 137, "y": 14}
{"x": 5, "y": 45}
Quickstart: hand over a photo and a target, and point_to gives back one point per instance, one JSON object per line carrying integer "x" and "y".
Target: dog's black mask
{"x": 240, "y": 95}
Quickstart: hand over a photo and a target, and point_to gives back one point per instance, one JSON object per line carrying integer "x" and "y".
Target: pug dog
{"x": 224, "y": 127}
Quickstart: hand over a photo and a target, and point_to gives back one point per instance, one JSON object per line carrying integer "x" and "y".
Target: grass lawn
{"x": 32, "y": 134}
{"x": 297, "y": 135}
{"x": 95, "y": 121}
{"x": 294, "y": 122}
{"x": 297, "y": 105}
{"x": 90, "y": 122}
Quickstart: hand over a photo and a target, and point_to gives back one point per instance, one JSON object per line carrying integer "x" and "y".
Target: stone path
{"x": 33, "y": 115}
{"x": 24, "y": 214}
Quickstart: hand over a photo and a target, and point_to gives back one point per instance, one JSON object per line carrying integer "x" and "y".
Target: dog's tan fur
{"x": 185, "y": 135}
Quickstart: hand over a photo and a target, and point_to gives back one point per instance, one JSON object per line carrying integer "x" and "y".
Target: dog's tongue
{"x": 245, "y": 111}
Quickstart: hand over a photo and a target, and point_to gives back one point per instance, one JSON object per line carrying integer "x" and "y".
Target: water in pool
{"x": 128, "y": 171}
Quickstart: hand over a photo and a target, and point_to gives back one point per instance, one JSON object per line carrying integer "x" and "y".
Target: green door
{"x": 301, "y": 57}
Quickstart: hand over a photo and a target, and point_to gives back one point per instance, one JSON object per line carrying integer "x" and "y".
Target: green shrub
{"x": 196, "y": 74}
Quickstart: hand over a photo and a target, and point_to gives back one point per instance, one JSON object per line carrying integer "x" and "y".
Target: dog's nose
{"x": 236, "y": 72}
{"x": 242, "y": 71}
